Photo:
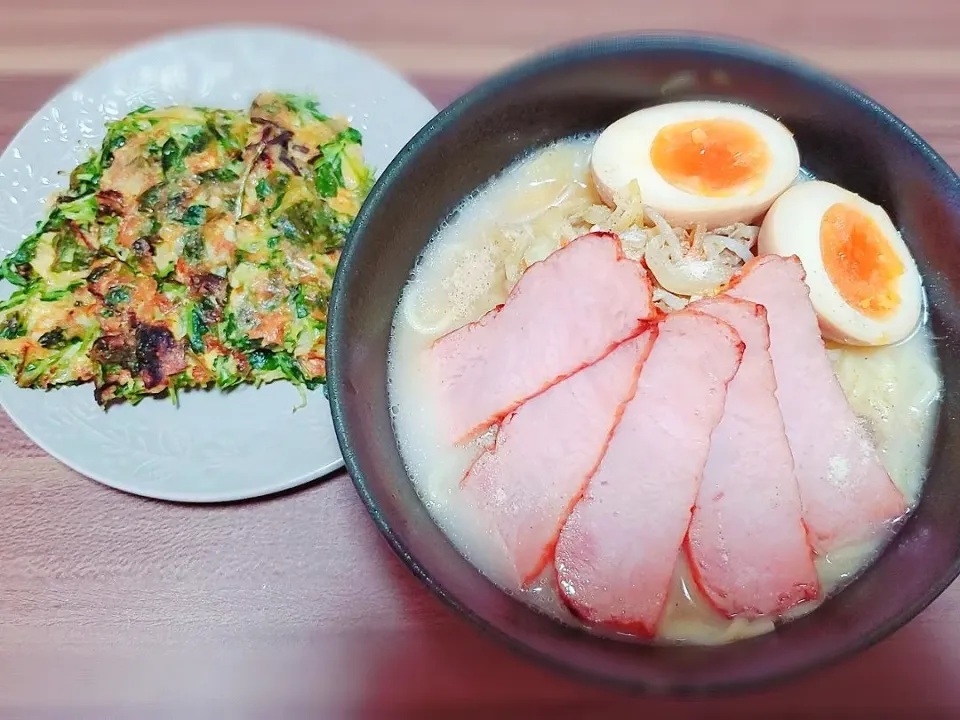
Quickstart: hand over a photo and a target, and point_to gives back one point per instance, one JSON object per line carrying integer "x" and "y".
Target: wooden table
{"x": 114, "y": 606}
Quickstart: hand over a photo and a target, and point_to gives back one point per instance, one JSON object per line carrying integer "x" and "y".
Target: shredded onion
{"x": 699, "y": 233}
{"x": 667, "y": 233}
{"x": 740, "y": 231}
{"x": 739, "y": 248}
{"x": 678, "y": 272}
{"x": 634, "y": 244}
{"x": 673, "y": 302}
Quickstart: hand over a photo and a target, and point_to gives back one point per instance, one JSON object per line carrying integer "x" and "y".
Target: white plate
{"x": 215, "y": 446}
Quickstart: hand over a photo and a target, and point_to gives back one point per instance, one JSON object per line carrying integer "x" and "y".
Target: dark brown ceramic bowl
{"x": 843, "y": 137}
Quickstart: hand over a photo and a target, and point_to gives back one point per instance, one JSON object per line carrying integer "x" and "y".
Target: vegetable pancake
{"x": 196, "y": 247}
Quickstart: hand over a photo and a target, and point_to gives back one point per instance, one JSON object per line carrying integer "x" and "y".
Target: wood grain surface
{"x": 113, "y": 606}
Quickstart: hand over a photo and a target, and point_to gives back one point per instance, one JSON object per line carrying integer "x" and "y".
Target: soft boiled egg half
{"x": 863, "y": 281}
{"x": 697, "y": 162}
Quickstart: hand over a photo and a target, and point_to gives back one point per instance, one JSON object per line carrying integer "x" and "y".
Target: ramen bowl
{"x": 843, "y": 136}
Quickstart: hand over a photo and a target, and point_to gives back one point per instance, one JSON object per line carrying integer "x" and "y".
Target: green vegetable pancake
{"x": 196, "y": 248}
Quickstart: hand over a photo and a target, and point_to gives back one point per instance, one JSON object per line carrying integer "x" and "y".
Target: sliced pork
{"x": 616, "y": 554}
{"x": 845, "y": 490}
{"x": 747, "y": 544}
{"x": 565, "y": 313}
{"x": 546, "y": 452}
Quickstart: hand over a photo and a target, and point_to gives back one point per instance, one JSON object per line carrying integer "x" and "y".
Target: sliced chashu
{"x": 546, "y": 452}
{"x": 616, "y": 554}
{"x": 565, "y": 313}
{"x": 846, "y": 493}
{"x": 747, "y": 544}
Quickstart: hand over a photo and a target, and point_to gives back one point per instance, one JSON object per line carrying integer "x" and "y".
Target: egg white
{"x": 792, "y": 227}
{"x": 621, "y": 155}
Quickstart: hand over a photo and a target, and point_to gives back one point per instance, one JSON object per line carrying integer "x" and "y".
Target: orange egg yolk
{"x": 712, "y": 158}
{"x": 859, "y": 260}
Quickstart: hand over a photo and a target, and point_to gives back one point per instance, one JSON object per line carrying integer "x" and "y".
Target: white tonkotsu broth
{"x": 470, "y": 266}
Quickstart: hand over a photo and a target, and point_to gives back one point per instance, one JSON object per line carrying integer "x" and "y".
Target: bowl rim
{"x": 727, "y": 47}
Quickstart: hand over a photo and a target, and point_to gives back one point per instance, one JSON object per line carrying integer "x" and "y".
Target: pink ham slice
{"x": 546, "y": 452}
{"x": 566, "y": 312}
{"x": 747, "y": 544}
{"x": 845, "y": 490}
{"x": 616, "y": 554}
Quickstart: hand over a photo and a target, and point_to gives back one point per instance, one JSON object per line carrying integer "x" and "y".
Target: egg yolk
{"x": 859, "y": 260}
{"x": 713, "y": 157}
